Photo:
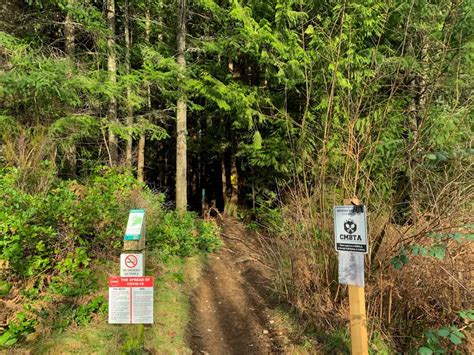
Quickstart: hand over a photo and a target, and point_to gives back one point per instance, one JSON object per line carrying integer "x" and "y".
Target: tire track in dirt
{"x": 230, "y": 308}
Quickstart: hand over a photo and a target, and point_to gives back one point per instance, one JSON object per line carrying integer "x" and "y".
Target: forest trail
{"x": 231, "y": 311}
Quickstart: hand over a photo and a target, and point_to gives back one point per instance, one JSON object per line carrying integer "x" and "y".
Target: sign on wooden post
{"x": 135, "y": 233}
{"x": 131, "y": 293}
{"x": 351, "y": 242}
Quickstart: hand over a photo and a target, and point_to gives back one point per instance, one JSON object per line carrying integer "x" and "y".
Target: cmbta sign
{"x": 350, "y": 229}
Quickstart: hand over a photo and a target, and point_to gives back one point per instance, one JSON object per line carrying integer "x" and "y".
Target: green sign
{"x": 136, "y": 225}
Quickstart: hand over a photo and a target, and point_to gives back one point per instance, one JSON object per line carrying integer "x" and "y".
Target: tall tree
{"x": 142, "y": 139}
{"x": 69, "y": 48}
{"x": 181, "y": 181}
{"x": 128, "y": 43}
{"x": 112, "y": 70}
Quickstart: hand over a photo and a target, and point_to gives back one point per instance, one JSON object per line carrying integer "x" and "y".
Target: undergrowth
{"x": 53, "y": 239}
{"x": 417, "y": 277}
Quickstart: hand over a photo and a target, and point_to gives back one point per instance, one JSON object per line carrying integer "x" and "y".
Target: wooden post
{"x": 358, "y": 318}
{"x": 134, "y": 341}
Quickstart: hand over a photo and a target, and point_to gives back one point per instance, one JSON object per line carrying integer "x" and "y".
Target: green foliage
{"x": 17, "y": 329}
{"x": 440, "y": 340}
{"x": 436, "y": 250}
{"x": 5, "y": 287}
{"x": 56, "y": 233}
{"x": 81, "y": 315}
{"x": 182, "y": 235}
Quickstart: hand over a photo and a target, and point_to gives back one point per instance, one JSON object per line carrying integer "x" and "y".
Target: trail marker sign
{"x": 136, "y": 225}
{"x": 131, "y": 264}
{"x": 350, "y": 229}
{"x": 131, "y": 300}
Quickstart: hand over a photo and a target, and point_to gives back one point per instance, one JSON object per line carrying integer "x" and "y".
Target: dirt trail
{"x": 231, "y": 311}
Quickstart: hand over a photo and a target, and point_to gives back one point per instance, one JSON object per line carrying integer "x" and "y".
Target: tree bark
{"x": 181, "y": 164}
{"x": 141, "y": 158}
{"x": 128, "y": 44}
{"x": 69, "y": 33}
{"x": 69, "y": 48}
{"x": 142, "y": 140}
{"x": 233, "y": 193}
{"x": 112, "y": 70}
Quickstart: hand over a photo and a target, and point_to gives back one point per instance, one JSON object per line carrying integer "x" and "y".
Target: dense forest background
{"x": 273, "y": 111}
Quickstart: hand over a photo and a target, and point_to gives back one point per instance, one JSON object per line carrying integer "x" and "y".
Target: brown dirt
{"x": 232, "y": 312}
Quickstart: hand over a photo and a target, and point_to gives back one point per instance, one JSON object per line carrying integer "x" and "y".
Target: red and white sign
{"x": 131, "y": 264}
{"x": 131, "y": 300}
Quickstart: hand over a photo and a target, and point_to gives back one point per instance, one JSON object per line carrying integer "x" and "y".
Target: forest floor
{"x": 232, "y": 308}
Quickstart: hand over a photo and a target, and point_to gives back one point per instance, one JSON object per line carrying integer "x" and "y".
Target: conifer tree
{"x": 181, "y": 130}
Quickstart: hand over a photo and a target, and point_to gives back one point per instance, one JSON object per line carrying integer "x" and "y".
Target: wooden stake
{"x": 358, "y": 318}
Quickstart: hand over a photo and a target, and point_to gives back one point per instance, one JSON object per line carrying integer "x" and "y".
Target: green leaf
{"x": 399, "y": 261}
{"x": 425, "y": 351}
{"x": 455, "y": 339}
{"x": 443, "y": 332}
{"x": 415, "y": 249}
{"x": 438, "y": 251}
{"x": 257, "y": 140}
{"x": 467, "y": 314}
{"x": 431, "y": 156}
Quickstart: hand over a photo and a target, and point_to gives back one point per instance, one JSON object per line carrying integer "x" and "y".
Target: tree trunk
{"x": 69, "y": 33}
{"x": 233, "y": 192}
{"x": 112, "y": 69}
{"x": 181, "y": 183}
{"x": 142, "y": 140}
{"x": 141, "y": 158}
{"x": 224, "y": 181}
{"x": 69, "y": 48}
{"x": 128, "y": 43}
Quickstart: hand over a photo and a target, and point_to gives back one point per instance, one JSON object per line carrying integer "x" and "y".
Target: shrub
{"x": 56, "y": 232}
{"x": 17, "y": 330}
{"x": 50, "y": 239}
{"x": 182, "y": 235}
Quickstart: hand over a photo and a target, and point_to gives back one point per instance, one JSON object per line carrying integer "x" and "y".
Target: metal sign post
{"x": 351, "y": 243}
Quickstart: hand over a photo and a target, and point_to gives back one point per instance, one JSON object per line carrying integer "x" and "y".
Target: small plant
{"x": 17, "y": 330}
{"x": 79, "y": 315}
{"x": 439, "y": 340}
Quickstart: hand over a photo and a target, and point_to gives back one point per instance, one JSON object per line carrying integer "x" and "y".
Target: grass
{"x": 174, "y": 279}
{"x": 172, "y": 305}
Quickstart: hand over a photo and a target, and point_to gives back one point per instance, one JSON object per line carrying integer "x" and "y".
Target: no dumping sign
{"x": 350, "y": 229}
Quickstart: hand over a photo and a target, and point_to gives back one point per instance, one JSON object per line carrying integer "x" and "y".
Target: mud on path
{"x": 231, "y": 311}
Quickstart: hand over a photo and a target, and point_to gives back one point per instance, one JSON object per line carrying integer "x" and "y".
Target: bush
{"x": 58, "y": 231}
{"x": 182, "y": 235}
{"x": 50, "y": 239}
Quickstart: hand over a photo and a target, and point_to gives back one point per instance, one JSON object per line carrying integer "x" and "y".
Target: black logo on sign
{"x": 350, "y": 227}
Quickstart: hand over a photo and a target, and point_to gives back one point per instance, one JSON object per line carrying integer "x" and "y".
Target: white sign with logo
{"x": 350, "y": 229}
{"x": 131, "y": 264}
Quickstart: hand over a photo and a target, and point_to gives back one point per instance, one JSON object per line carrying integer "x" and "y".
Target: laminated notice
{"x": 131, "y": 300}
{"x": 351, "y": 268}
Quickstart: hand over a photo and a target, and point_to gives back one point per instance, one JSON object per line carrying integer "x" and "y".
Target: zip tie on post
{"x": 357, "y": 208}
